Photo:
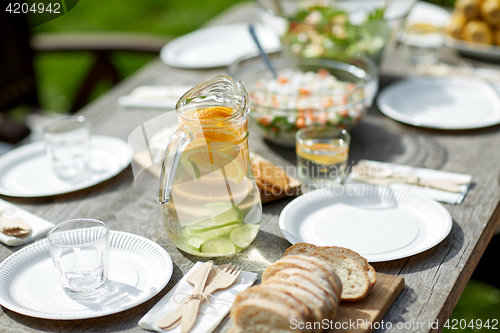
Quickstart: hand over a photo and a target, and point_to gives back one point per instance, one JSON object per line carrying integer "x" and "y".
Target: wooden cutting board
{"x": 373, "y": 308}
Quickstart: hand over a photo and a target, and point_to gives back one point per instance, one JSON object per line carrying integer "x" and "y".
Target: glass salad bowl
{"x": 335, "y": 29}
{"x": 307, "y": 92}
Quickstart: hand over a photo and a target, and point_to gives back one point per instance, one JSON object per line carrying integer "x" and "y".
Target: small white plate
{"x": 29, "y": 285}
{"x": 451, "y": 103}
{"x": 380, "y": 223}
{"x": 26, "y": 172}
{"x": 217, "y": 46}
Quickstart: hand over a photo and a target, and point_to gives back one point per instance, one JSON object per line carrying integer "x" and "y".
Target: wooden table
{"x": 434, "y": 280}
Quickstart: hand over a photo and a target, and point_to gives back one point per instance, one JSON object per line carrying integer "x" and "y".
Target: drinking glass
{"x": 422, "y": 40}
{"x": 67, "y": 144}
{"x": 322, "y": 156}
{"x": 80, "y": 252}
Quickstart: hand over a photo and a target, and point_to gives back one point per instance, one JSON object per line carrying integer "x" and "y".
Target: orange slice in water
{"x": 213, "y": 113}
{"x": 331, "y": 154}
{"x": 221, "y": 157}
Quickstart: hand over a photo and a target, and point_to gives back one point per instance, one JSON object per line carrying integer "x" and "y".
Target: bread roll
{"x": 477, "y": 32}
{"x": 496, "y": 37}
{"x": 456, "y": 25}
{"x": 470, "y": 8}
{"x": 490, "y": 11}
{"x": 305, "y": 249}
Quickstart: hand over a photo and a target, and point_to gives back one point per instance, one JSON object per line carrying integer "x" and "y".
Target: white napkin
{"x": 163, "y": 97}
{"x": 208, "y": 317}
{"x": 39, "y": 226}
{"x": 442, "y": 196}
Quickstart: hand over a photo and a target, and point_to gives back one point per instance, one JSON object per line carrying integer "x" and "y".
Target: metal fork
{"x": 223, "y": 280}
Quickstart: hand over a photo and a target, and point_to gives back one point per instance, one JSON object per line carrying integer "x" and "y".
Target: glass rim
{"x": 336, "y": 135}
{"x": 59, "y": 225}
{"x": 67, "y": 119}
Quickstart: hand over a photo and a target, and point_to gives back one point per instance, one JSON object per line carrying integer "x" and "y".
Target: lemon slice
{"x": 324, "y": 153}
{"x": 218, "y": 246}
{"x": 244, "y": 235}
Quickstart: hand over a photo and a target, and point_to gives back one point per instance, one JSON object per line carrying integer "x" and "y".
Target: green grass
{"x": 59, "y": 75}
{"x": 479, "y": 301}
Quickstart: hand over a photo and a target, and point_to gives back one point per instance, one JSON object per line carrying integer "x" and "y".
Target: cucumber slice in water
{"x": 218, "y": 246}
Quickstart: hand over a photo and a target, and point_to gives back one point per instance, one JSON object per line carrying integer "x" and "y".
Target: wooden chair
{"x": 17, "y": 76}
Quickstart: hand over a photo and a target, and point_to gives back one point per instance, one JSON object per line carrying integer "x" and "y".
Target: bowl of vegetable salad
{"x": 335, "y": 29}
{"x": 307, "y": 92}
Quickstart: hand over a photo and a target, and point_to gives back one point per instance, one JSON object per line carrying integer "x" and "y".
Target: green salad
{"x": 326, "y": 32}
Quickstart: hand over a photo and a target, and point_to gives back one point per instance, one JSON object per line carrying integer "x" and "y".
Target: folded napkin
{"x": 163, "y": 97}
{"x": 39, "y": 226}
{"x": 439, "y": 195}
{"x": 209, "y": 317}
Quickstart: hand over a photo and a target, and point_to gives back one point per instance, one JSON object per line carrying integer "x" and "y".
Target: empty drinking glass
{"x": 67, "y": 144}
{"x": 80, "y": 251}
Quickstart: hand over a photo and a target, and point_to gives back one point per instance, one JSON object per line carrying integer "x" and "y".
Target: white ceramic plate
{"x": 26, "y": 172}
{"x": 451, "y": 103}
{"x": 217, "y": 46}
{"x": 29, "y": 285}
{"x": 380, "y": 223}
{"x": 475, "y": 50}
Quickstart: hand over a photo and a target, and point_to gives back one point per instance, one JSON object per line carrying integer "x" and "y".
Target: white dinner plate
{"x": 451, "y": 103}
{"x": 380, "y": 223}
{"x": 217, "y": 46}
{"x": 26, "y": 172}
{"x": 29, "y": 284}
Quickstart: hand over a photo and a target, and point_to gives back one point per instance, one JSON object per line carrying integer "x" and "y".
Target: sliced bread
{"x": 316, "y": 295}
{"x": 370, "y": 271}
{"x": 313, "y": 303}
{"x": 265, "y": 316}
{"x": 265, "y": 292}
{"x": 305, "y": 249}
{"x": 325, "y": 267}
{"x": 355, "y": 282}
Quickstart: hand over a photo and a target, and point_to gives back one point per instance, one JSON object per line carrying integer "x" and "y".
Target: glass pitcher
{"x": 210, "y": 203}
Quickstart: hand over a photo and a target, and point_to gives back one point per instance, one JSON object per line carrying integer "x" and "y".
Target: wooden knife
{"x": 191, "y": 307}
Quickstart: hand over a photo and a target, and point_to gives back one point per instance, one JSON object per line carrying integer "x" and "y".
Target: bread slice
{"x": 265, "y": 316}
{"x": 294, "y": 262}
{"x": 319, "y": 296}
{"x": 305, "y": 249}
{"x": 323, "y": 265}
{"x": 329, "y": 296}
{"x": 313, "y": 303}
{"x": 370, "y": 271}
{"x": 355, "y": 282}
{"x": 265, "y": 292}
{"x": 315, "y": 295}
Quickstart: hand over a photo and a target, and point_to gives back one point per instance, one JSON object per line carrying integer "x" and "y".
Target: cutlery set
{"x": 206, "y": 280}
{"x": 384, "y": 176}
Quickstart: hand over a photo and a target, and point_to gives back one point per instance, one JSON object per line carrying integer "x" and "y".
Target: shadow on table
{"x": 121, "y": 321}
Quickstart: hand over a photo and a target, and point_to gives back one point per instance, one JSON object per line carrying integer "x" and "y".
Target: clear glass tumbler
{"x": 80, "y": 251}
{"x": 322, "y": 154}
{"x": 67, "y": 144}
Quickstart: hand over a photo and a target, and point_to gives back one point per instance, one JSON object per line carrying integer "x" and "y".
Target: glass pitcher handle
{"x": 176, "y": 145}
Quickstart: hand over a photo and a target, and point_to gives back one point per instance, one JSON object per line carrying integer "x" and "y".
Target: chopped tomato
{"x": 282, "y": 80}
{"x": 265, "y": 120}
{"x": 323, "y": 72}
{"x": 304, "y": 91}
{"x": 344, "y": 113}
{"x": 300, "y": 122}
